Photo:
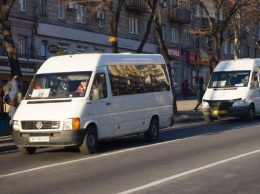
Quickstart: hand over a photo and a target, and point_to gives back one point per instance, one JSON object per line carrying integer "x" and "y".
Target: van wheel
{"x": 209, "y": 119}
{"x": 250, "y": 113}
{"x": 90, "y": 142}
{"x": 26, "y": 150}
{"x": 152, "y": 134}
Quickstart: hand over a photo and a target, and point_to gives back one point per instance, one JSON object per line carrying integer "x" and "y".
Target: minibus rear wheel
{"x": 90, "y": 142}
{"x": 26, "y": 150}
{"x": 152, "y": 134}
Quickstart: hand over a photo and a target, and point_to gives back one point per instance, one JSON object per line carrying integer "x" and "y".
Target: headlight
{"x": 71, "y": 124}
{"x": 16, "y": 125}
{"x": 240, "y": 102}
{"x": 204, "y": 104}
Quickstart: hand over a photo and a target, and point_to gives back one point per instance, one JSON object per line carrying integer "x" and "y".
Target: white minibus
{"x": 79, "y": 100}
{"x": 233, "y": 90}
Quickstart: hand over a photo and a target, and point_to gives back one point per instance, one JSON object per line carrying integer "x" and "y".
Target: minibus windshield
{"x": 58, "y": 85}
{"x": 226, "y": 79}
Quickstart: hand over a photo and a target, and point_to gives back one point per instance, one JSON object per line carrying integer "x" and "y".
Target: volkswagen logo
{"x": 219, "y": 104}
{"x": 39, "y": 125}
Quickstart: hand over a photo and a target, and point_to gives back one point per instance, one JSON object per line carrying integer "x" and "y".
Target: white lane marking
{"x": 187, "y": 173}
{"x": 88, "y": 158}
{"x": 93, "y": 157}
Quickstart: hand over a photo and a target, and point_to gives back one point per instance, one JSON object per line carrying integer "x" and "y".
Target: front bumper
{"x": 238, "y": 111}
{"x": 61, "y": 138}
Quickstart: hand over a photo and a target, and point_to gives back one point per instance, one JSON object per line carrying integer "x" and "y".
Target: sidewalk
{"x": 185, "y": 114}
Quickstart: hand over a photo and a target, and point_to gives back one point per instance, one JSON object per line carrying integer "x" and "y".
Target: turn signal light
{"x": 76, "y": 123}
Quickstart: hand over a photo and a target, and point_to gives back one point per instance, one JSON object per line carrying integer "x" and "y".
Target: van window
{"x": 58, "y": 85}
{"x": 229, "y": 79}
{"x": 254, "y": 81}
{"x": 137, "y": 79}
{"x": 100, "y": 83}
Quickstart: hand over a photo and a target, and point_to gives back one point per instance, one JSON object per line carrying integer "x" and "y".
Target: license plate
{"x": 219, "y": 112}
{"x": 39, "y": 139}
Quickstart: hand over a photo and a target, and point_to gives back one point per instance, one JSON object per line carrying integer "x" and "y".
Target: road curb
{"x": 8, "y": 147}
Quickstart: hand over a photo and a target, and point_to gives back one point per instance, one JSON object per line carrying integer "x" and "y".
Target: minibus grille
{"x": 40, "y": 124}
{"x": 221, "y": 104}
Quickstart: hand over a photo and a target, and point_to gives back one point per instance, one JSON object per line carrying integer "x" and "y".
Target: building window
{"x": 242, "y": 53}
{"x": 44, "y": 49}
{"x": 225, "y": 48}
{"x": 22, "y": 46}
{"x": 22, "y": 5}
{"x": 81, "y": 49}
{"x": 198, "y": 11}
{"x": 81, "y": 14}
{"x": 133, "y": 25}
{"x": 2, "y": 52}
{"x": 232, "y": 48}
{"x": 220, "y": 14}
{"x": 63, "y": 48}
{"x": 187, "y": 38}
{"x": 61, "y": 10}
{"x": 101, "y": 19}
{"x": 175, "y": 35}
{"x": 163, "y": 31}
{"x": 258, "y": 30}
{"x": 173, "y": 2}
{"x": 42, "y": 7}
{"x": 196, "y": 42}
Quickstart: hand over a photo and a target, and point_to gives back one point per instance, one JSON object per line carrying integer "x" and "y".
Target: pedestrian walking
{"x": 7, "y": 87}
{"x": 16, "y": 88}
{"x": 200, "y": 91}
{"x": 185, "y": 89}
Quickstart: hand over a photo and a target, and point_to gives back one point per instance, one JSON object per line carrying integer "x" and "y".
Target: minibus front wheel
{"x": 209, "y": 119}
{"x": 90, "y": 141}
{"x": 250, "y": 113}
{"x": 26, "y": 150}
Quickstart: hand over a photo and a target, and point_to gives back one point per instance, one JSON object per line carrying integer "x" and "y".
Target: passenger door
{"x": 102, "y": 108}
{"x": 255, "y": 90}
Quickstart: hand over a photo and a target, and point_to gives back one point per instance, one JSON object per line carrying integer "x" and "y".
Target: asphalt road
{"x": 194, "y": 158}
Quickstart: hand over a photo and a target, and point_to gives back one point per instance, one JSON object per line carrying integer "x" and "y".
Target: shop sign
{"x": 175, "y": 53}
{"x": 53, "y": 48}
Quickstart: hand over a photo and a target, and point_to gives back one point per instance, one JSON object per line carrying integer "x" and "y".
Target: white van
{"x": 79, "y": 100}
{"x": 233, "y": 90}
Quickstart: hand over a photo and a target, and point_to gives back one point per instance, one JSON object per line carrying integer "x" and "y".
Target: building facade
{"x": 46, "y": 28}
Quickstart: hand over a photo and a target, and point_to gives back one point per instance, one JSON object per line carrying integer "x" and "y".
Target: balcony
{"x": 135, "y": 5}
{"x": 180, "y": 15}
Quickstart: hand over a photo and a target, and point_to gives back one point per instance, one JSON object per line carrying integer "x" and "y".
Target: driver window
{"x": 254, "y": 81}
{"x": 100, "y": 83}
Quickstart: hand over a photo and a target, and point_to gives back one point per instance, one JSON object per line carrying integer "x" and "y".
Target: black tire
{"x": 152, "y": 134}
{"x": 90, "y": 142}
{"x": 209, "y": 119}
{"x": 250, "y": 113}
{"x": 26, "y": 150}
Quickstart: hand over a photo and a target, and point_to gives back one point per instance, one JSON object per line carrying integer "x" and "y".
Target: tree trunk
{"x": 167, "y": 59}
{"x": 8, "y": 43}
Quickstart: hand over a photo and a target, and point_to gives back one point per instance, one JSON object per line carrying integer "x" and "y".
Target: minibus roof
{"x": 236, "y": 65}
{"x": 88, "y": 62}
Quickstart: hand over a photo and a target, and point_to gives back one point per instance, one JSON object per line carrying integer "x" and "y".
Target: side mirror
{"x": 95, "y": 94}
